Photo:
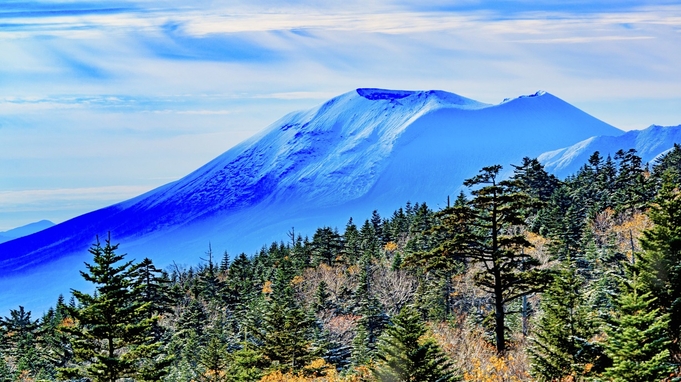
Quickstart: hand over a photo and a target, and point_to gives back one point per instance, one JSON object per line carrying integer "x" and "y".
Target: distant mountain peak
{"x": 25, "y": 230}
{"x": 368, "y": 149}
{"x": 649, "y": 143}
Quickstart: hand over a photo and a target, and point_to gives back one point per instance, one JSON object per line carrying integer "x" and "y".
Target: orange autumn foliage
{"x": 318, "y": 371}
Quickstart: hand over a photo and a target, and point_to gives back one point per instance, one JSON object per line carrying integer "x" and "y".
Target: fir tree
{"x": 361, "y": 346}
{"x": 660, "y": 263}
{"x": 406, "y": 353}
{"x": 669, "y": 163}
{"x": 6, "y": 375}
{"x": 637, "y": 342}
{"x": 534, "y": 180}
{"x": 561, "y": 348}
{"x": 245, "y": 365}
{"x": 239, "y": 288}
{"x": 282, "y": 331}
{"x": 151, "y": 286}
{"x": 352, "y": 249}
{"x": 19, "y": 341}
{"x": 56, "y": 344}
{"x": 213, "y": 358}
{"x": 326, "y": 246}
{"x": 112, "y": 327}
{"x": 321, "y": 298}
{"x": 209, "y": 283}
{"x": 630, "y": 184}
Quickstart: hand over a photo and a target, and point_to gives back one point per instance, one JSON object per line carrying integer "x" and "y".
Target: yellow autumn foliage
{"x": 390, "y": 246}
{"x": 267, "y": 287}
{"x": 494, "y": 369}
{"x": 318, "y": 371}
{"x": 297, "y": 280}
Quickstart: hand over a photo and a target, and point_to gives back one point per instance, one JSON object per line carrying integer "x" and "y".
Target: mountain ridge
{"x": 363, "y": 150}
{"x": 649, "y": 144}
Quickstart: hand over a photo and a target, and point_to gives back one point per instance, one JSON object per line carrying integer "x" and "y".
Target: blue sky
{"x": 103, "y": 100}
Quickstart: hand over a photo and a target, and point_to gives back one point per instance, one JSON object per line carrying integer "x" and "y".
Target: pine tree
{"x": 485, "y": 230}
{"x": 660, "y": 263}
{"x": 636, "y": 339}
{"x": 561, "y": 346}
{"x": 326, "y": 246}
{"x": 406, "y": 353}
{"x": 213, "y": 358}
{"x": 245, "y": 365}
{"x": 20, "y": 339}
{"x": 55, "y": 344}
{"x": 282, "y": 330}
{"x": 631, "y": 190}
{"x": 112, "y": 328}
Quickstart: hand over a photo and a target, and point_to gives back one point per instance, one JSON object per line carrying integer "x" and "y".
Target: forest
{"x": 529, "y": 278}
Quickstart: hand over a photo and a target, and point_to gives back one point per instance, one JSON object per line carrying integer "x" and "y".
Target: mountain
{"x": 363, "y": 150}
{"x": 25, "y": 230}
{"x": 649, "y": 144}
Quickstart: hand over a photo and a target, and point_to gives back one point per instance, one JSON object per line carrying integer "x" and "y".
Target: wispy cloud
{"x": 17, "y": 200}
{"x": 99, "y": 93}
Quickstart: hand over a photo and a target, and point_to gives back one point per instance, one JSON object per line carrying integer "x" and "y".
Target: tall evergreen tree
{"x": 534, "y": 180}
{"x": 671, "y": 163}
{"x": 560, "y": 347}
{"x": 19, "y": 340}
{"x": 632, "y": 191}
{"x": 213, "y": 358}
{"x": 326, "y": 246}
{"x": 484, "y": 230}
{"x": 660, "y": 263}
{"x": 636, "y": 338}
{"x": 405, "y": 353}
{"x": 282, "y": 330}
{"x": 112, "y": 328}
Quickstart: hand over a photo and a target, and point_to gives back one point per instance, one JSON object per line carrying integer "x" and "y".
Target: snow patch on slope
{"x": 649, "y": 144}
{"x": 363, "y": 150}
{"x": 332, "y": 152}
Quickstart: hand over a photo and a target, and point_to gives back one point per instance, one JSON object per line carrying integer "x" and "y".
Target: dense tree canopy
{"x": 517, "y": 279}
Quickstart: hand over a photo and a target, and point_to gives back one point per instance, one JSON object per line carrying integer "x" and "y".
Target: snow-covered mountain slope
{"x": 24, "y": 230}
{"x": 366, "y": 149}
{"x": 649, "y": 144}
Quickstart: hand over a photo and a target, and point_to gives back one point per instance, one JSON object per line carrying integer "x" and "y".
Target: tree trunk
{"x": 499, "y": 315}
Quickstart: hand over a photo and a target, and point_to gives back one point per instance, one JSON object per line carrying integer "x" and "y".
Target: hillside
{"x": 648, "y": 143}
{"x": 363, "y": 150}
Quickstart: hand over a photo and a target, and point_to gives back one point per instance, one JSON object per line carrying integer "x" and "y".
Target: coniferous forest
{"x": 518, "y": 279}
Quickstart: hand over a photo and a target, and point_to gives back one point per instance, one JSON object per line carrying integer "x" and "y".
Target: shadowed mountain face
{"x": 364, "y": 150}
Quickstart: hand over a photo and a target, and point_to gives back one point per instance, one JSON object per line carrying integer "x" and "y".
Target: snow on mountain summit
{"x": 333, "y": 149}
{"x": 363, "y": 150}
{"x": 648, "y": 143}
